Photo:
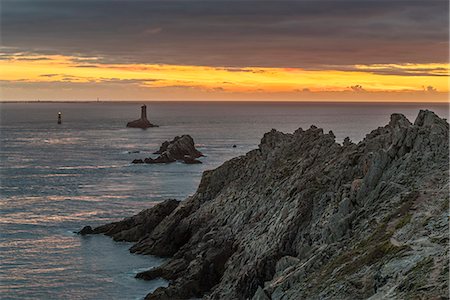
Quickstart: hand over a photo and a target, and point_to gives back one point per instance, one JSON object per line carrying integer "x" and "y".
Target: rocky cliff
{"x": 303, "y": 217}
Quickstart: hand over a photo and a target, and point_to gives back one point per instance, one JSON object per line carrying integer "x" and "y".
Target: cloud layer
{"x": 390, "y": 50}
{"x": 67, "y": 74}
{"x": 306, "y": 34}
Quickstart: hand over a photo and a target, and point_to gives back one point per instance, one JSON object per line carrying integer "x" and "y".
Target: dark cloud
{"x": 127, "y": 81}
{"x": 69, "y": 80}
{"x": 309, "y": 34}
{"x": 398, "y": 70}
{"x": 86, "y": 66}
{"x": 388, "y": 71}
{"x": 49, "y": 75}
{"x": 32, "y": 58}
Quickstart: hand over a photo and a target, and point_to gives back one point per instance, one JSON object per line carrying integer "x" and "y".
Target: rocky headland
{"x": 303, "y": 217}
{"x": 181, "y": 148}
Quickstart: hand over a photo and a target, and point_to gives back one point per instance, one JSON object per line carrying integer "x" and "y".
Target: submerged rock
{"x": 142, "y": 122}
{"x": 303, "y": 217}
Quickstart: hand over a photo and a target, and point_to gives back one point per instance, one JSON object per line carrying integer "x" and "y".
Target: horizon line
{"x": 230, "y": 101}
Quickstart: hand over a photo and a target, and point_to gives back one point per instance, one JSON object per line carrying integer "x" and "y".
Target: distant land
{"x": 229, "y": 101}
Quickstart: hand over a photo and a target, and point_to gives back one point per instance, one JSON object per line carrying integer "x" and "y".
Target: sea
{"x": 55, "y": 179}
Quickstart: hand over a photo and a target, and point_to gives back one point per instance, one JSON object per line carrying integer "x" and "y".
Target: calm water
{"x": 57, "y": 178}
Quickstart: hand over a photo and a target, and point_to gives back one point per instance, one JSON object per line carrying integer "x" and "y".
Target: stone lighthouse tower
{"x": 143, "y": 122}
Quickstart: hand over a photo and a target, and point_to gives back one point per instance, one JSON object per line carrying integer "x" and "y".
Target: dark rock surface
{"x": 138, "y": 226}
{"x": 303, "y": 217}
{"x": 142, "y": 122}
{"x": 181, "y": 148}
{"x": 86, "y": 230}
{"x": 190, "y": 161}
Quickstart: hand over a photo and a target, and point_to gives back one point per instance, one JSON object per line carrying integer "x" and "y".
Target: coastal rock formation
{"x": 134, "y": 228}
{"x": 181, "y": 148}
{"x": 86, "y": 230}
{"x": 143, "y": 122}
{"x": 303, "y": 217}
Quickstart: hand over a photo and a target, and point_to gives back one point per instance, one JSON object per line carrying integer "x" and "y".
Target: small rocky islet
{"x": 303, "y": 217}
{"x": 142, "y": 122}
{"x": 181, "y": 148}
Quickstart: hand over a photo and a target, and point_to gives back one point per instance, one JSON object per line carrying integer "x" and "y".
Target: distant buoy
{"x": 59, "y": 118}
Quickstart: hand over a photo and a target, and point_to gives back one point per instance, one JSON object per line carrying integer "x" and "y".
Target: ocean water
{"x": 57, "y": 178}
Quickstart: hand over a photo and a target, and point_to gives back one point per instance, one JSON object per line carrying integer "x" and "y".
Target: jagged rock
{"x": 142, "y": 122}
{"x": 137, "y": 161}
{"x": 347, "y": 142}
{"x": 134, "y": 228}
{"x": 303, "y": 217}
{"x": 181, "y": 148}
{"x": 86, "y": 230}
{"x": 285, "y": 262}
{"x": 260, "y": 295}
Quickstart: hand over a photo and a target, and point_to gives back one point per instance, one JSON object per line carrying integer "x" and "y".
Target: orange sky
{"x": 340, "y": 50}
{"x": 59, "y": 77}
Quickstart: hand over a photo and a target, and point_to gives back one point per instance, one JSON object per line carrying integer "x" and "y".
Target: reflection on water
{"x": 74, "y": 267}
{"x": 57, "y": 178}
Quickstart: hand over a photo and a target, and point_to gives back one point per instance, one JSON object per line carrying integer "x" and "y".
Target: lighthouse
{"x": 143, "y": 122}
{"x": 144, "y": 112}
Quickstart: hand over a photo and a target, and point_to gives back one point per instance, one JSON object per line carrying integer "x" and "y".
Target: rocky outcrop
{"x": 181, "y": 148}
{"x": 134, "y": 228}
{"x": 142, "y": 122}
{"x": 303, "y": 217}
{"x": 86, "y": 230}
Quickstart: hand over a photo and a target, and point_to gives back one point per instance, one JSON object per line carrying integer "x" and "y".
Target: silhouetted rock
{"x": 134, "y": 228}
{"x": 303, "y": 217}
{"x": 143, "y": 122}
{"x": 137, "y": 161}
{"x": 86, "y": 230}
{"x": 181, "y": 148}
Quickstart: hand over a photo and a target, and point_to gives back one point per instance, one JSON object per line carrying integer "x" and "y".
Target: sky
{"x": 305, "y": 50}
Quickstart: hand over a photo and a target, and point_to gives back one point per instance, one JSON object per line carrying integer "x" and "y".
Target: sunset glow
{"x": 230, "y": 82}
{"x": 210, "y": 50}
